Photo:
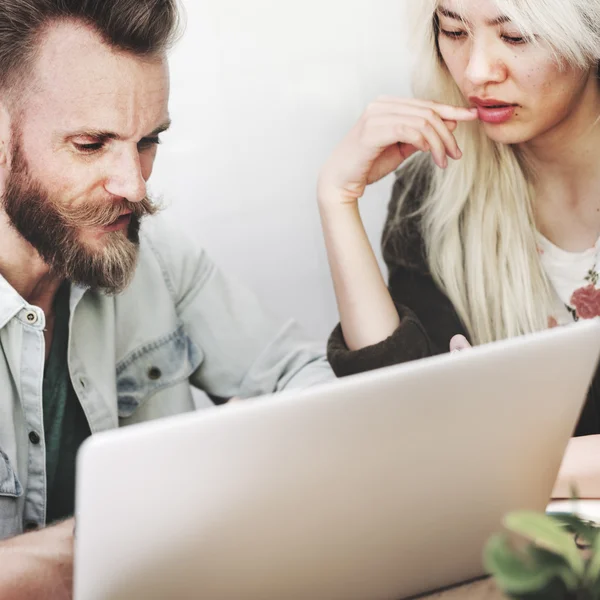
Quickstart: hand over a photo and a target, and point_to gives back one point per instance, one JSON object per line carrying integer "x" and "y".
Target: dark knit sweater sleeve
{"x": 408, "y": 342}
{"x": 428, "y": 321}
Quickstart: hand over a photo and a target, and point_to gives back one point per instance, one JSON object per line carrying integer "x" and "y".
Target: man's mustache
{"x": 102, "y": 214}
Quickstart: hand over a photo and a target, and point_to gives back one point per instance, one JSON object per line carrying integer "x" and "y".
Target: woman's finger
{"x": 459, "y": 343}
{"x": 381, "y": 132}
{"x": 443, "y": 131}
{"x": 432, "y": 137}
{"x": 444, "y": 128}
{"x": 448, "y": 112}
{"x": 385, "y": 131}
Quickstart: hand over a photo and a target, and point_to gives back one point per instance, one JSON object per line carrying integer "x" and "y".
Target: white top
{"x": 575, "y": 277}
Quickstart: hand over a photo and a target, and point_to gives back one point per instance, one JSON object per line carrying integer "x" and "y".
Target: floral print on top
{"x": 575, "y": 277}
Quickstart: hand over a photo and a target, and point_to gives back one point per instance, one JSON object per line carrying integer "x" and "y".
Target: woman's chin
{"x": 508, "y": 134}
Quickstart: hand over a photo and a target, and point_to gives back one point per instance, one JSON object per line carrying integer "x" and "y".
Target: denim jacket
{"x": 132, "y": 357}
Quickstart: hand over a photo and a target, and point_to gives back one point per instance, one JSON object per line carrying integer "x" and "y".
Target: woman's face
{"x": 518, "y": 86}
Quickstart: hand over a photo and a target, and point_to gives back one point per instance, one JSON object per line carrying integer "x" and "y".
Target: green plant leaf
{"x": 554, "y": 591}
{"x": 558, "y": 564}
{"x": 586, "y": 530}
{"x": 595, "y": 593}
{"x": 593, "y": 570}
{"x": 514, "y": 572}
{"x": 573, "y": 522}
{"x": 547, "y": 533}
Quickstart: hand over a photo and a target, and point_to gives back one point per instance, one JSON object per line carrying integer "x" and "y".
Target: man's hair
{"x": 141, "y": 27}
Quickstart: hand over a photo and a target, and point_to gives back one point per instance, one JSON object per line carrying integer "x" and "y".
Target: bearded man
{"x": 107, "y": 313}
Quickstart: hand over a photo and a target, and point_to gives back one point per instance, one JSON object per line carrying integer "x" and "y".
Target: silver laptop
{"x": 379, "y": 486}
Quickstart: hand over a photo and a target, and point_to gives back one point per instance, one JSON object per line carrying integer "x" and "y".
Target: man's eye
{"x": 148, "y": 143}
{"x": 453, "y": 35}
{"x": 89, "y": 148}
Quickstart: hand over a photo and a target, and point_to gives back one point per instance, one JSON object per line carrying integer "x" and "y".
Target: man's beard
{"x": 55, "y": 230}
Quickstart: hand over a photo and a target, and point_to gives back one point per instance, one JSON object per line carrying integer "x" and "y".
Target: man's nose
{"x": 485, "y": 65}
{"x": 126, "y": 179}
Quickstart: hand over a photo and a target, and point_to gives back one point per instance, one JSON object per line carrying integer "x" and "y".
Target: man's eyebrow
{"x": 92, "y": 133}
{"x": 111, "y": 135}
{"x": 450, "y": 14}
{"x": 161, "y": 128}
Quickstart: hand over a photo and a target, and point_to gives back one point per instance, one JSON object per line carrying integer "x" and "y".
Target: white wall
{"x": 262, "y": 90}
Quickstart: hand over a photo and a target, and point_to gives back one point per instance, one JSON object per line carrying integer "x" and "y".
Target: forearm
{"x": 580, "y": 470}
{"x": 38, "y": 566}
{"x": 367, "y": 312}
{"x": 389, "y": 132}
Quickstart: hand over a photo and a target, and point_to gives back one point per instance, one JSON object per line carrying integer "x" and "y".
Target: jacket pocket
{"x": 10, "y": 492}
{"x": 154, "y": 366}
{"x": 9, "y": 484}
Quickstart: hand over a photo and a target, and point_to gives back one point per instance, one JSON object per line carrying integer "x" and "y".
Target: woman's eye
{"x": 453, "y": 35}
{"x": 515, "y": 40}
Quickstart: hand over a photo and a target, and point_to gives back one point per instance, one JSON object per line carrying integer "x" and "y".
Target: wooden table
{"x": 485, "y": 589}
{"x": 480, "y": 590}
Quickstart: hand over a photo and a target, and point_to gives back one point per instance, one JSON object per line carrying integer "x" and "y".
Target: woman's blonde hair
{"x": 478, "y": 217}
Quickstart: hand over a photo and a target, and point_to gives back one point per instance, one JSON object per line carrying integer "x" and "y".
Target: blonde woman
{"x": 494, "y": 223}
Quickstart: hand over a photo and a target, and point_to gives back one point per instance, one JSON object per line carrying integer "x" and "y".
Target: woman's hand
{"x": 390, "y": 130}
{"x": 580, "y": 470}
{"x": 388, "y": 133}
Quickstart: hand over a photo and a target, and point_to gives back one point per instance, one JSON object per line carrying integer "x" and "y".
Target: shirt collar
{"x": 77, "y": 293}
{"x": 11, "y": 302}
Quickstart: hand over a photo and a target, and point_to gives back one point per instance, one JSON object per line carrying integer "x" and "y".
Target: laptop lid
{"x": 378, "y": 486}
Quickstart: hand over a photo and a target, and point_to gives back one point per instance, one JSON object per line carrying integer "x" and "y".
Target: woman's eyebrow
{"x": 450, "y": 14}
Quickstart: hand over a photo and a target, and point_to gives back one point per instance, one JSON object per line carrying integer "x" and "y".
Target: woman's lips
{"x": 496, "y": 115}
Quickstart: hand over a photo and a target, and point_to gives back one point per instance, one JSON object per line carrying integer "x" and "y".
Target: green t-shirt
{"x": 65, "y": 423}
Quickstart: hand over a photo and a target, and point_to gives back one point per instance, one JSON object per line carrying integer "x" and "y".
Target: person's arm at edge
{"x": 38, "y": 565}
{"x": 580, "y": 470}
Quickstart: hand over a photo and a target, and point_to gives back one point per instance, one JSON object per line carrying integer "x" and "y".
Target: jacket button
{"x": 154, "y": 373}
{"x": 34, "y": 438}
